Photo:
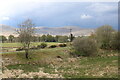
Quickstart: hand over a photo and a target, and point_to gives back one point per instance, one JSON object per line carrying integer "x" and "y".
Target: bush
{"x": 62, "y": 45}
{"x": 84, "y": 46}
{"x": 52, "y": 46}
{"x": 19, "y": 49}
{"x": 105, "y": 46}
{"x": 43, "y": 45}
{"x": 115, "y": 42}
{"x": 104, "y": 36}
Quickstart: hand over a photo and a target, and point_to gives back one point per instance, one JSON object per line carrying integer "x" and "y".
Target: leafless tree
{"x": 26, "y": 31}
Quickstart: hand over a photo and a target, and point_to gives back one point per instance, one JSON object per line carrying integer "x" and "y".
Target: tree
{"x": 11, "y": 38}
{"x": 3, "y": 38}
{"x": 104, "y": 36}
{"x": 43, "y": 38}
{"x": 26, "y": 31}
{"x": 16, "y": 39}
{"x": 50, "y": 38}
{"x": 39, "y": 38}
{"x": 63, "y": 39}
{"x": 56, "y": 38}
{"x": 34, "y": 38}
{"x": 71, "y": 37}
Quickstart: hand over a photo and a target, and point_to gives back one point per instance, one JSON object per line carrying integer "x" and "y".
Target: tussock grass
{"x": 103, "y": 66}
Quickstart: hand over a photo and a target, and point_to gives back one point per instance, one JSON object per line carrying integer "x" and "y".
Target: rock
{"x": 23, "y": 75}
{"x": 59, "y": 60}
{"x": 72, "y": 59}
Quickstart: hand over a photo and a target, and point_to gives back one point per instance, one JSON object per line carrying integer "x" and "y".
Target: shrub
{"x": 62, "y": 45}
{"x": 115, "y": 42}
{"x": 104, "y": 36}
{"x": 19, "y": 49}
{"x": 52, "y": 46}
{"x": 84, "y": 46}
{"x": 42, "y": 45}
{"x": 105, "y": 46}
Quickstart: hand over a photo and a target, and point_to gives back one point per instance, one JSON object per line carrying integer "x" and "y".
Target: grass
{"x": 83, "y": 67}
{"x": 19, "y": 44}
{"x": 10, "y": 44}
{"x": 11, "y": 47}
{"x": 43, "y": 54}
{"x": 77, "y": 69}
{"x": 25, "y": 67}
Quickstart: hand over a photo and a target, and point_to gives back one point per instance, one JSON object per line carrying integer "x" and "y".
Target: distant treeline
{"x": 43, "y": 38}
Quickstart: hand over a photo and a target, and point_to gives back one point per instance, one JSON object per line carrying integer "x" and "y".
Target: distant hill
{"x": 7, "y": 30}
{"x": 76, "y": 31}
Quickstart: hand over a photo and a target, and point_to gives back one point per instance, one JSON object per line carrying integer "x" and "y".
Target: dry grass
{"x": 104, "y": 65}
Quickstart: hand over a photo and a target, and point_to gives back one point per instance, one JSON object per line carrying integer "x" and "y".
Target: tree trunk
{"x": 26, "y": 53}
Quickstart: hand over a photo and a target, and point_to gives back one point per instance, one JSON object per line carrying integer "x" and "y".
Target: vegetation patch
{"x": 84, "y": 47}
{"x": 42, "y": 45}
{"x": 62, "y": 45}
{"x": 24, "y": 67}
{"x": 52, "y": 46}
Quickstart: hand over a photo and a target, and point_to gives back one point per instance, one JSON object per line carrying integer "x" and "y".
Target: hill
{"x": 76, "y": 31}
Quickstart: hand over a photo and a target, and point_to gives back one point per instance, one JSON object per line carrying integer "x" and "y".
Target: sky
{"x": 58, "y": 14}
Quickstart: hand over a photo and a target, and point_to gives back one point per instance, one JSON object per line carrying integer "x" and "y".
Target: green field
{"x": 11, "y": 47}
{"x": 47, "y": 60}
{"x": 19, "y": 44}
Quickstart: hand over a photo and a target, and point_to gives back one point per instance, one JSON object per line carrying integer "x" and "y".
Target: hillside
{"x": 77, "y": 31}
{"x": 7, "y": 30}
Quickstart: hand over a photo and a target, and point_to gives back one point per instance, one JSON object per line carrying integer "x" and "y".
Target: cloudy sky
{"x": 59, "y": 14}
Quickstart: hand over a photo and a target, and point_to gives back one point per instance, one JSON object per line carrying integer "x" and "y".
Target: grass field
{"x": 11, "y": 47}
{"x": 46, "y": 63}
{"x": 19, "y": 44}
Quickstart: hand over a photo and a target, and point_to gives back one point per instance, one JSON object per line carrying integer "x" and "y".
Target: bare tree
{"x": 26, "y": 31}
